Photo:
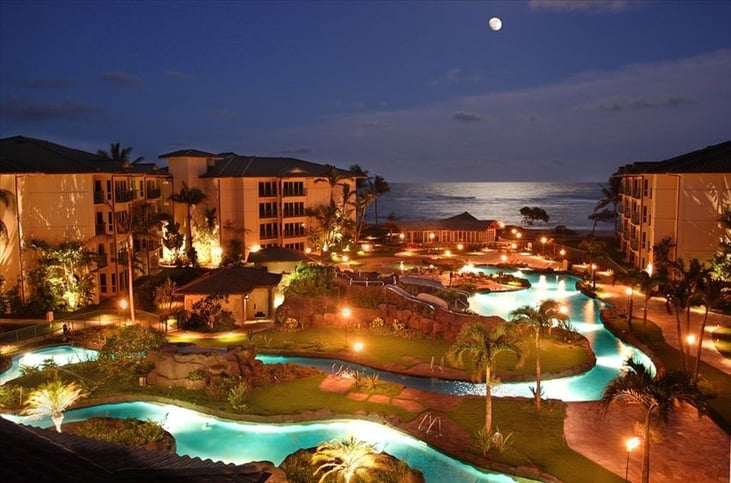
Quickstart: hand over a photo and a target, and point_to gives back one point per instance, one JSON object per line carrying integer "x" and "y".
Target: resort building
{"x": 55, "y": 195}
{"x": 260, "y": 201}
{"x": 463, "y": 229}
{"x": 681, "y": 198}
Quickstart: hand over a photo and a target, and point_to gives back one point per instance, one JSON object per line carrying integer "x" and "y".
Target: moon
{"x": 495, "y": 23}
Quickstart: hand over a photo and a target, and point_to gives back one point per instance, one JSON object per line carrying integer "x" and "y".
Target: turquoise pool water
{"x": 205, "y": 436}
{"x": 60, "y": 355}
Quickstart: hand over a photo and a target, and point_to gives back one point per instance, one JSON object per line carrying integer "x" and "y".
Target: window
{"x": 267, "y": 210}
{"x": 294, "y": 209}
{"x": 268, "y": 231}
{"x": 267, "y": 189}
{"x": 295, "y": 246}
{"x": 293, "y": 188}
{"x": 103, "y": 282}
{"x": 294, "y": 229}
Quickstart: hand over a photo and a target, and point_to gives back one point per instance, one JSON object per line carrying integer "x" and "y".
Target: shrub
{"x": 290, "y": 324}
{"x": 238, "y": 396}
{"x": 485, "y": 441}
{"x": 131, "y": 343}
{"x": 377, "y": 323}
{"x": 196, "y": 375}
{"x": 129, "y": 431}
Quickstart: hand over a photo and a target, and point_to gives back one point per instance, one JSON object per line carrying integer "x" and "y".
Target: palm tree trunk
{"x": 700, "y": 344}
{"x": 189, "y": 229}
{"x": 538, "y": 369}
{"x": 646, "y": 447}
{"x": 57, "y": 419}
{"x": 488, "y": 400}
{"x": 130, "y": 279}
{"x": 679, "y": 330}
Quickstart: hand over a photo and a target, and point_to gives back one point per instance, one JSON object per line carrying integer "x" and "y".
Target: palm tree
{"x": 333, "y": 177}
{"x": 594, "y": 251}
{"x": 611, "y": 195}
{"x": 190, "y": 197}
{"x": 7, "y": 200}
{"x": 482, "y": 346}
{"x": 539, "y": 319}
{"x": 656, "y": 395}
{"x": 52, "y": 399}
{"x": 378, "y": 187}
{"x": 347, "y": 459}
{"x": 119, "y": 154}
{"x": 711, "y": 292}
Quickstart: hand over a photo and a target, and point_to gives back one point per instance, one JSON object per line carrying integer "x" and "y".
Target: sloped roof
{"x": 231, "y": 279}
{"x": 461, "y": 222}
{"x": 712, "y": 159}
{"x": 188, "y": 153}
{"x": 20, "y": 154}
{"x": 235, "y": 166}
{"x": 276, "y": 254}
{"x": 36, "y": 454}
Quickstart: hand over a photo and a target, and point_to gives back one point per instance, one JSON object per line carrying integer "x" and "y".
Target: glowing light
{"x": 255, "y": 248}
{"x": 690, "y": 339}
{"x": 628, "y": 291}
{"x": 308, "y": 250}
{"x": 649, "y": 269}
{"x": 123, "y": 304}
{"x": 562, "y": 252}
{"x": 401, "y": 236}
{"x": 447, "y": 253}
{"x": 504, "y": 258}
{"x": 495, "y": 24}
{"x": 345, "y": 312}
{"x": 632, "y": 443}
{"x": 346, "y": 258}
{"x": 358, "y": 346}
{"x": 460, "y": 246}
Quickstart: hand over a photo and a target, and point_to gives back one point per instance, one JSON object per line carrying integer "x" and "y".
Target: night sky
{"x": 413, "y": 91}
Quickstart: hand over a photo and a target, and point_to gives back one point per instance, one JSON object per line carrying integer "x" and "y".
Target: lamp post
{"x": 628, "y": 291}
{"x": 562, "y": 253}
{"x": 123, "y": 304}
{"x": 690, "y": 339}
{"x": 631, "y": 444}
{"x": 593, "y": 276}
{"x": 543, "y": 243}
{"x": 357, "y": 348}
{"x": 431, "y": 241}
{"x": 345, "y": 313}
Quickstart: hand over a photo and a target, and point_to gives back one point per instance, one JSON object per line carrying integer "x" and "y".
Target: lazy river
{"x": 204, "y": 436}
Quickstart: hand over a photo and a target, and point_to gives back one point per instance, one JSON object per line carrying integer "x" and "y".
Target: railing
{"x": 98, "y": 197}
{"x": 100, "y": 228}
{"x": 153, "y": 194}
{"x": 123, "y": 196}
{"x": 429, "y": 422}
{"x": 289, "y": 193}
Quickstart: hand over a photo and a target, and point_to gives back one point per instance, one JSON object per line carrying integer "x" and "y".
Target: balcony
{"x": 268, "y": 236}
{"x": 298, "y": 192}
{"x": 153, "y": 194}
{"x": 294, "y": 234}
{"x": 98, "y": 197}
{"x": 294, "y": 213}
{"x": 124, "y": 196}
{"x": 100, "y": 228}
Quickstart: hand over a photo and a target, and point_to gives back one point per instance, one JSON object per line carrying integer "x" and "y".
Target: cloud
{"x": 121, "y": 79}
{"x": 589, "y": 6}
{"x": 47, "y": 83}
{"x": 535, "y": 126}
{"x": 17, "y": 109}
{"x": 455, "y": 76}
{"x": 625, "y": 104}
{"x": 467, "y": 117}
{"x": 176, "y": 75}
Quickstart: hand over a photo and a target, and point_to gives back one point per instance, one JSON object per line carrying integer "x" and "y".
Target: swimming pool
{"x": 204, "y": 436}
{"x": 59, "y": 354}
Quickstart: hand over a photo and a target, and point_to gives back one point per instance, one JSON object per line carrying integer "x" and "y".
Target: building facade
{"x": 680, "y": 198}
{"x": 57, "y": 194}
{"x": 261, "y": 201}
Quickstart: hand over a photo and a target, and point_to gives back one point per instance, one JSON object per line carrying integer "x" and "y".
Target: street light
{"x": 345, "y": 313}
{"x": 631, "y": 444}
{"x": 690, "y": 339}
{"x": 593, "y": 276}
{"x": 628, "y": 291}
{"x": 543, "y": 242}
{"x": 123, "y": 304}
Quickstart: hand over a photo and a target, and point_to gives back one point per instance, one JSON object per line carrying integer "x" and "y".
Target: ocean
{"x": 568, "y": 204}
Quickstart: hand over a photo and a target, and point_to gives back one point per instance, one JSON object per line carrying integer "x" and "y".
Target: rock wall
{"x": 174, "y": 366}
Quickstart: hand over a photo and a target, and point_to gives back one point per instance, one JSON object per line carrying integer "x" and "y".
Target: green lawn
{"x": 537, "y": 436}
{"x": 387, "y": 349}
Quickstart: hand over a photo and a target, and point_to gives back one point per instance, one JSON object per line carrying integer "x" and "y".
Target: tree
{"x": 611, "y": 195}
{"x": 645, "y": 282}
{"x": 538, "y": 319}
{"x": 7, "y": 200}
{"x": 173, "y": 240}
{"x": 656, "y": 395}
{"x": 378, "y": 187}
{"x": 333, "y": 177}
{"x": 722, "y": 258}
{"x": 347, "y": 459}
{"x": 531, "y": 215}
{"x": 594, "y": 250}
{"x": 712, "y": 290}
{"x": 52, "y": 399}
{"x": 681, "y": 287}
{"x": 189, "y": 197}
{"x": 481, "y": 346}
{"x": 119, "y": 154}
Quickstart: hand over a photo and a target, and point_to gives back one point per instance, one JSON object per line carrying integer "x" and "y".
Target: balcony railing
{"x": 298, "y": 192}
{"x": 98, "y": 197}
{"x": 124, "y": 196}
{"x": 268, "y": 236}
{"x": 294, "y": 213}
{"x": 153, "y": 194}
{"x": 100, "y": 228}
